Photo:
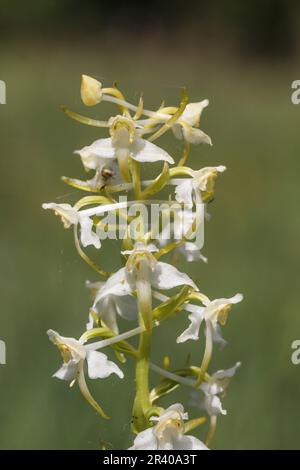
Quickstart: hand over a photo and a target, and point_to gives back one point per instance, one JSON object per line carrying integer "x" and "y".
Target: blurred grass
{"x": 252, "y": 241}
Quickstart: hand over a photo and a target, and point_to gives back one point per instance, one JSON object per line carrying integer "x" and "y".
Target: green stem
{"x": 142, "y": 402}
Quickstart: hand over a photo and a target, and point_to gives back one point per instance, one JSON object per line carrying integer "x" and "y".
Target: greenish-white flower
{"x": 214, "y": 387}
{"x": 187, "y": 125}
{"x": 190, "y": 190}
{"x": 168, "y": 433}
{"x": 71, "y": 216}
{"x": 125, "y": 141}
{"x": 214, "y": 312}
{"x": 75, "y": 354}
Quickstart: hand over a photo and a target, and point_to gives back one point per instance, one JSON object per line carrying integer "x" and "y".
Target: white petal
{"x": 177, "y": 131}
{"x": 126, "y": 307}
{"x": 236, "y": 299}
{"x": 67, "y": 371}
{"x": 145, "y": 440}
{"x": 192, "y": 332}
{"x": 192, "y": 113}
{"x": 166, "y": 276}
{"x": 189, "y": 443}
{"x": 76, "y": 348}
{"x": 68, "y": 214}
{"x": 217, "y": 335}
{"x": 221, "y": 374}
{"x": 87, "y": 236}
{"x": 91, "y": 155}
{"x": 107, "y": 311}
{"x": 144, "y": 151}
{"x": 196, "y": 136}
{"x": 90, "y": 324}
{"x": 184, "y": 192}
{"x": 100, "y": 367}
{"x": 213, "y": 405}
{"x": 117, "y": 284}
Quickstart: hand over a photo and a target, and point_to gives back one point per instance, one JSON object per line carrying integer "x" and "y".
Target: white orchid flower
{"x": 168, "y": 433}
{"x": 74, "y": 354}
{"x": 214, "y": 388}
{"x": 141, "y": 273}
{"x": 70, "y": 216}
{"x": 125, "y": 141}
{"x": 215, "y": 312}
{"x": 189, "y": 190}
{"x": 109, "y": 306}
{"x": 187, "y": 125}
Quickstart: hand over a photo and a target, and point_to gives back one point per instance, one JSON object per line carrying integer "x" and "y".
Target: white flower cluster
{"x": 134, "y": 292}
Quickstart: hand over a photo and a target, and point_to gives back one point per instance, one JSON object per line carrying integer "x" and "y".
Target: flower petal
{"x": 213, "y": 405}
{"x": 221, "y": 374}
{"x": 192, "y": 113}
{"x": 67, "y": 371}
{"x": 166, "y": 276}
{"x": 100, "y": 367}
{"x": 107, "y": 311}
{"x": 126, "y": 307}
{"x": 92, "y": 155}
{"x": 87, "y": 236}
{"x": 145, "y": 440}
{"x": 117, "y": 284}
{"x": 184, "y": 192}
{"x": 192, "y": 331}
{"x": 189, "y": 443}
{"x": 196, "y": 136}
{"x": 68, "y": 214}
{"x": 144, "y": 151}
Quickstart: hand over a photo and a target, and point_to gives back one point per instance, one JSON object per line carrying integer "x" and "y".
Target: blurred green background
{"x": 245, "y": 66}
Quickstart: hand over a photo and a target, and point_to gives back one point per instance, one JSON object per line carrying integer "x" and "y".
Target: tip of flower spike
{"x": 90, "y": 90}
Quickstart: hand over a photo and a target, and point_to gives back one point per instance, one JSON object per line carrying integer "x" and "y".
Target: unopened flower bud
{"x": 91, "y": 90}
